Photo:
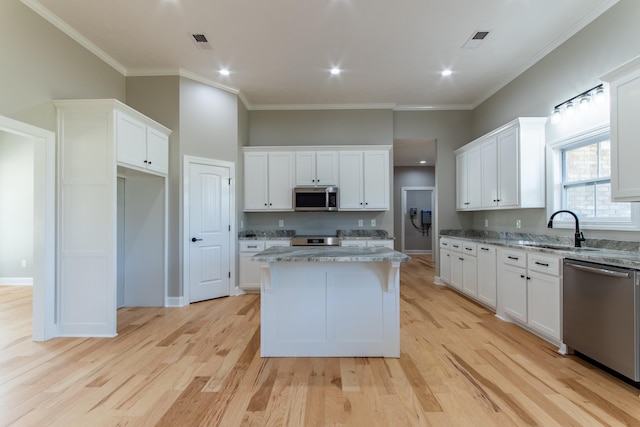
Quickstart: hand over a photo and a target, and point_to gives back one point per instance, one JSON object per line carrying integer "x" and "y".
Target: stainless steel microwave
{"x": 315, "y": 199}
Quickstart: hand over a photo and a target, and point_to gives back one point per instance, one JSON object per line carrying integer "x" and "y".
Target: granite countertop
{"x": 288, "y": 234}
{"x": 329, "y": 254}
{"x": 614, "y": 252}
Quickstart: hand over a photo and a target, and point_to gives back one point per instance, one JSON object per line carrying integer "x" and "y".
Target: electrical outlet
{"x": 518, "y": 223}
{"x": 373, "y": 222}
{"x": 24, "y": 263}
{"x": 241, "y": 224}
{"x": 360, "y": 223}
{"x": 281, "y": 223}
{"x": 486, "y": 222}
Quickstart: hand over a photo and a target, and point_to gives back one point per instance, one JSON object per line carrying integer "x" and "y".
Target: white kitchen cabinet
{"x": 469, "y": 269}
{"x": 512, "y": 283}
{"x": 372, "y": 243}
{"x": 624, "y": 86}
{"x": 445, "y": 260}
{"x": 250, "y": 270}
{"x": 140, "y": 145}
{"x": 90, "y": 219}
{"x": 543, "y": 294}
{"x": 487, "y": 275}
{"x": 468, "y": 179}
{"x": 364, "y": 180}
{"x": 268, "y": 180}
{"x": 512, "y": 167}
{"x": 316, "y": 168}
{"x": 457, "y": 270}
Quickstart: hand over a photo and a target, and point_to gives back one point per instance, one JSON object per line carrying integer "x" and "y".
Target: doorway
{"x": 209, "y": 229}
{"x": 418, "y": 217}
{"x": 43, "y": 272}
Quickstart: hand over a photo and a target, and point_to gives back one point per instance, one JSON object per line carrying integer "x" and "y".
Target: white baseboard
{"x": 418, "y": 252}
{"x": 438, "y": 281}
{"x": 16, "y": 281}
{"x": 174, "y": 302}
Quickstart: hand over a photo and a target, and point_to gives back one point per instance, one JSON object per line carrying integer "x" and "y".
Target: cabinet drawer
{"x": 486, "y": 249}
{"x": 515, "y": 258}
{"x": 445, "y": 243}
{"x": 251, "y": 246}
{"x": 455, "y": 245}
{"x": 544, "y": 264}
{"x": 276, "y": 243}
{"x": 469, "y": 248}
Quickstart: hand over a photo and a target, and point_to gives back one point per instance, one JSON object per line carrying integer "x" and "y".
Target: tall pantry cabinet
{"x": 112, "y": 214}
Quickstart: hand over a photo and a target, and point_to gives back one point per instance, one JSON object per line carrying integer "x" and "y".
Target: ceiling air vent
{"x": 476, "y": 38}
{"x": 201, "y": 41}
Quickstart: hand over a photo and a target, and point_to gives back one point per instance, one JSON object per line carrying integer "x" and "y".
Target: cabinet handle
{"x": 144, "y": 161}
{"x": 522, "y": 276}
{"x": 253, "y": 246}
{"x": 461, "y": 259}
{"x": 484, "y": 249}
{"x": 544, "y": 264}
{"x": 514, "y": 258}
{"x": 468, "y": 249}
{"x": 456, "y": 246}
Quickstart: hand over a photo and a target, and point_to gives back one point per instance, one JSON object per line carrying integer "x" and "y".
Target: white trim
{"x": 174, "y": 302}
{"x": 404, "y": 212}
{"x": 44, "y": 249}
{"x": 16, "y": 281}
{"x": 186, "y": 162}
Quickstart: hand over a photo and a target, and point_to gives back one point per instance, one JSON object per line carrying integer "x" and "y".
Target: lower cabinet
{"x": 372, "y": 243}
{"x": 445, "y": 260}
{"x": 459, "y": 266}
{"x": 487, "y": 275}
{"x": 529, "y": 290}
{"x": 249, "y": 277}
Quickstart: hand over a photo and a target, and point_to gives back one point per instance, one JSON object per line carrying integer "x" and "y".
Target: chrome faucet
{"x": 578, "y": 237}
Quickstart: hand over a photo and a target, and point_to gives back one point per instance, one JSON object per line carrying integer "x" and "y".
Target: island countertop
{"x": 330, "y": 254}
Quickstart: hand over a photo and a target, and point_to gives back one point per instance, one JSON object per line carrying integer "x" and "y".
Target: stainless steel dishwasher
{"x": 601, "y": 305}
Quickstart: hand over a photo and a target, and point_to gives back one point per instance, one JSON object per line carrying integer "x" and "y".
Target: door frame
{"x": 44, "y": 215}
{"x": 186, "y": 259}
{"x": 404, "y": 213}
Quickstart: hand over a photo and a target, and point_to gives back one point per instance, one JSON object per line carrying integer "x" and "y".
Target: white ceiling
{"x": 279, "y": 52}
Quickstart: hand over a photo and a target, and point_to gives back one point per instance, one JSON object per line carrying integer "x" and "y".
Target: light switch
{"x": 360, "y": 223}
{"x": 281, "y": 223}
{"x": 373, "y": 222}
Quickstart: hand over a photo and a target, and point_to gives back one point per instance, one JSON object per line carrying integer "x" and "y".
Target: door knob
{"x": 193, "y": 239}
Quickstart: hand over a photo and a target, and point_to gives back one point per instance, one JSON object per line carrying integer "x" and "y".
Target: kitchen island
{"x": 330, "y": 301}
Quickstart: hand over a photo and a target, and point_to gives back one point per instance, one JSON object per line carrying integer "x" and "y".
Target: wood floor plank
{"x": 201, "y": 365}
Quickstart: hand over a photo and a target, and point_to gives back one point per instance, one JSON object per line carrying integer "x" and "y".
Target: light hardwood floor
{"x": 200, "y": 365}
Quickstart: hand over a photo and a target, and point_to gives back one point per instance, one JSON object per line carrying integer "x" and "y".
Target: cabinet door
{"x": 470, "y": 275}
{"x": 508, "y": 168}
{"x": 489, "y": 173}
{"x": 544, "y": 303}
{"x": 255, "y": 181}
{"x": 327, "y": 168}
{"x": 625, "y": 128}
{"x": 380, "y": 243}
{"x": 376, "y": 180}
{"x": 131, "y": 141}
{"x": 157, "y": 151}
{"x": 513, "y": 292}
{"x": 353, "y": 243}
{"x": 306, "y": 168}
{"x": 281, "y": 180}
{"x": 249, "y": 272}
{"x": 351, "y": 176}
{"x": 462, "y": 187}
{"x": 445, "y": 265}
{"x": 487, "y": 278}
{"x": 474, "y": 178}
{"x": 457, "y": 273}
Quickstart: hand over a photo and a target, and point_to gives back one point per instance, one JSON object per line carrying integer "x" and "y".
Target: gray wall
{"x": 572, "y": 68}
{"x": 321, "y": 127}
{"x": 416, "y": 176}
{"x": 16, "y": 206}
{"x": 40, "y": 63}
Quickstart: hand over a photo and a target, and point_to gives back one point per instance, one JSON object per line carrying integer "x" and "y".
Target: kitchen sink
{"x": 558, "y": 247}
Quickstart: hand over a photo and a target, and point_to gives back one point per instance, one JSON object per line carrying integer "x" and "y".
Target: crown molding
{"x": 68, "y": 30}
{"x": 442, "y": 107}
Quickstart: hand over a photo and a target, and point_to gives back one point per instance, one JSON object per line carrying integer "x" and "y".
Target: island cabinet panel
{"x": 329, "y": 309}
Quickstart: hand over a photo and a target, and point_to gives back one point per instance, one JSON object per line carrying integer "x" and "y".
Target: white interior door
{"x": 209, "y": 227}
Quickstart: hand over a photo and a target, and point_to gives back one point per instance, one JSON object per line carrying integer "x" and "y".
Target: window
{"x": 583, "y": 184}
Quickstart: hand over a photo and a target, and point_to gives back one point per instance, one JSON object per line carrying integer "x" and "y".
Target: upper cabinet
{"x": 624, "y": 85}
{"x": 140, "y": 145}
{"x": 361, "y": 172}
{"x": 316, "y": 168}
{"x": 268, "y": 180}
{"x": 364, "y": 180}
{"x": 509, "y": 171}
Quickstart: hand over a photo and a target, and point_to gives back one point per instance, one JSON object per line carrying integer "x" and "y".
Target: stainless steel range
{"x": 315, "y": 241}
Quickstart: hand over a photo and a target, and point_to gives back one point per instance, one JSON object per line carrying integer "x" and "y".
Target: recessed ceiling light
{"x": 423, "y": 162}
{"x": 446, "y": 73}
{"x": 335, "y": 71}
{"x": 224, "y": 72}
